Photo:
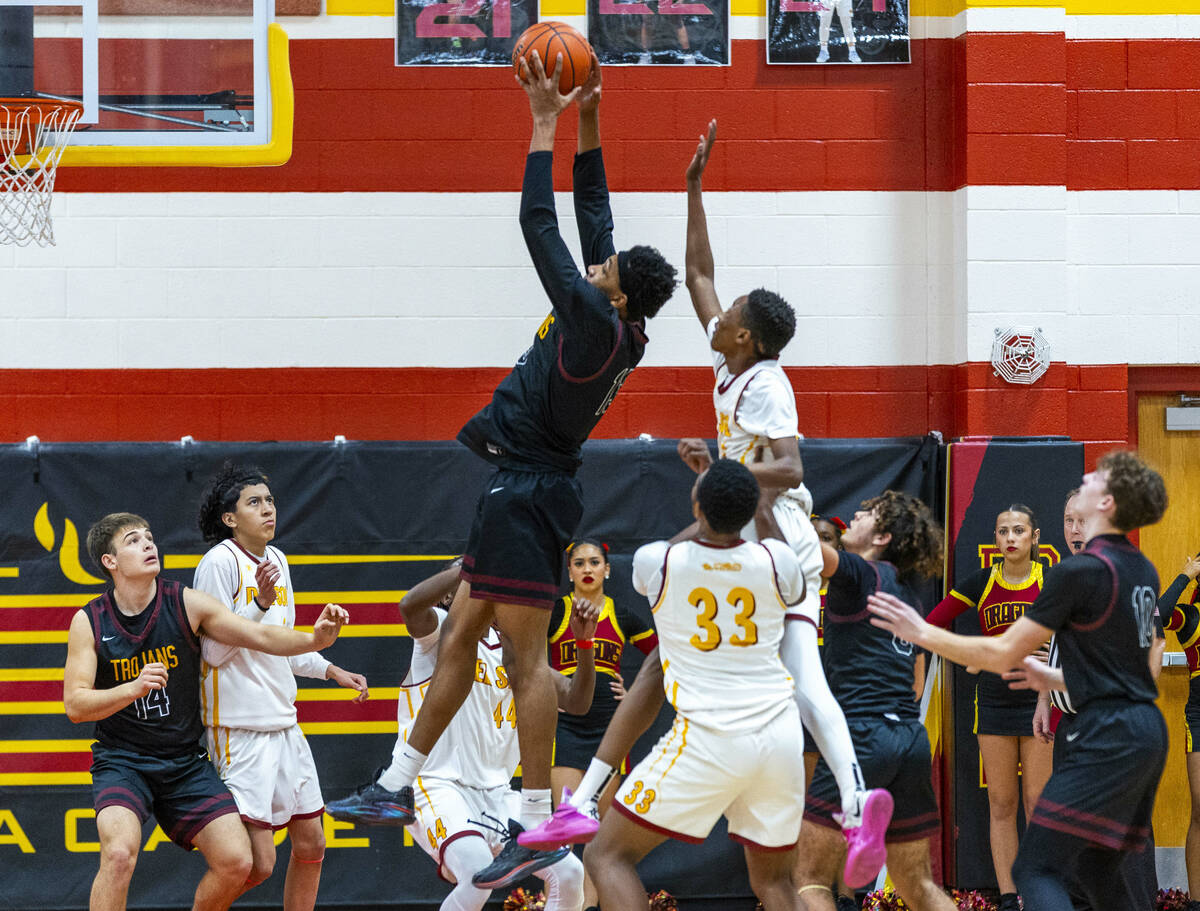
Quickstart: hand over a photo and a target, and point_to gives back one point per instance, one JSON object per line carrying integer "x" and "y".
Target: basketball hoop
{"x": 33, "y": 134}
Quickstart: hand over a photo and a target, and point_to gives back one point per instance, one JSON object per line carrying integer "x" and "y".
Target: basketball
{"x": 550, "y": 39}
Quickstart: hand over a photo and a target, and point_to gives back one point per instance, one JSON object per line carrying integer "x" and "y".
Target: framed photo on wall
{"x": 463, "y": 33}
{"x": 837, "y": 31}
{"x": 663, "y": 32}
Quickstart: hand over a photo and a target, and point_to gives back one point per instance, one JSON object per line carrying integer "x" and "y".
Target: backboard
{"x": 162, "y": 82}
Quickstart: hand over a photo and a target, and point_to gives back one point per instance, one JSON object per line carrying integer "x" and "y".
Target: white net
{"x": 1020, "y": 354}
{"x": 33, "y": 134}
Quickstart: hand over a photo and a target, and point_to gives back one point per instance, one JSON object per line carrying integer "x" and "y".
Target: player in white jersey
{"x": 248, "y": 698}
{"x": 735, "y": 748}
{"x": 464, "y": 804}
{"x": 752, "y": 397}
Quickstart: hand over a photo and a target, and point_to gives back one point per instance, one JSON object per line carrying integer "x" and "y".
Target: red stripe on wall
{"x": 991, "y": 108}
{"x": 1087, "y": 402}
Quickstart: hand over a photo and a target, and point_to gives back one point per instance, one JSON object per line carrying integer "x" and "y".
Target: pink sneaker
{"x": 566, "y": 826}
{"x": 865, "y": 851}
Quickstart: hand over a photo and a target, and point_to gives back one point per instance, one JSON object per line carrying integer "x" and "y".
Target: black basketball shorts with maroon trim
{"x": 1102, "y": 790}
{"x": 182, "y": 793}
{"x": 893, "y": 755}
{"x": 524, "y": 521}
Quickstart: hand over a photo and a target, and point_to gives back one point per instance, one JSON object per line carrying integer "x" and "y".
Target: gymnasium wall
{"x": 1033, "y": 165}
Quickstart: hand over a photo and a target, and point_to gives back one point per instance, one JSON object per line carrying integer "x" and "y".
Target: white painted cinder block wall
{"x": 396, "y": 279}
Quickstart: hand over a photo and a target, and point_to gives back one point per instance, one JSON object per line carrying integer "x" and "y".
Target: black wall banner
{"x": 820, "y": 31}
{"x": 671, "y": 32}
{"x": 461, "y": 32}
{"x": 987, "y": 476}
{"x": 361, "y": 523}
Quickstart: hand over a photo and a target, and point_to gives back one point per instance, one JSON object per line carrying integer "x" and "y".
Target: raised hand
{"x": 265, "y": 578}
{"x": 700, "y": 159}
{"x": 584, "y": 617}
{"x": 694, "y": 451}
{"x": 545, "y": 101}
{"x": 589, "y": 92}
{"x": 1191, "y": 568}
{"x": 328, "y": 625}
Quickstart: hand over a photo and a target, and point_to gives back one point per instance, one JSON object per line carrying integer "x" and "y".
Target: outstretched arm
{"x": 212, "y": 618}
{"x": 991, "y": 653}
{"x": 589, "y": 110}
{"x": 820, "y": 711}
{"x": 416, "y": 607}
{"x": 698, "y": 258}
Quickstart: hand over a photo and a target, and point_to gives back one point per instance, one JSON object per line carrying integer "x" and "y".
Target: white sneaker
{"x": 823, "y": 57}
{"x": 854, "y": 58}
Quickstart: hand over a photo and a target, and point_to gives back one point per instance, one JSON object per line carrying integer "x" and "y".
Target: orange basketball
{"x": 550, "y": 39}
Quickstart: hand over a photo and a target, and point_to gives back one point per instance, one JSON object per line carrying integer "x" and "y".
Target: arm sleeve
{"x": 1173, "y": 595}
{"x": 648, "y": 565}
{"x": 592, "y": 211}
{"x": 218, "y": 575}
{"x": 819, "y": 710}
{"x": 948, "y": 610}
{"x": 788, "y": 576}
{"x": 767, "y": 408}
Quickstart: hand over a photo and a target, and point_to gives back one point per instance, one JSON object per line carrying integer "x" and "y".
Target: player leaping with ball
{"x": 532, "y": 431}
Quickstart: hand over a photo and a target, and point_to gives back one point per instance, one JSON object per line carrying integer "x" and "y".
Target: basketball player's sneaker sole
{"x": 515, "y": 861}
{"x": 375, "y": 805}
{"x": 566, "y": 826}
{"x": 865, "y": 849}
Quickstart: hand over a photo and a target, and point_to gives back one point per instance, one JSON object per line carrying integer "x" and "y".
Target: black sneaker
{"x": 375, "y": 805}
{"x": 846, "y": 903}
{"x": 515, "y": 861}
{"x": 1009, "y": 901}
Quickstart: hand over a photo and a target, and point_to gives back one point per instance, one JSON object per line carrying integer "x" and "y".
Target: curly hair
{"x": 728, "y": 496}
{"x": 648, "y": 281}
{"x": 222, "y": 497}
{"x": 1137, "y": 489}
{"x": 771, "y": 321}
{"x": 100, "y": 536}
{"x": 916, "y": 545}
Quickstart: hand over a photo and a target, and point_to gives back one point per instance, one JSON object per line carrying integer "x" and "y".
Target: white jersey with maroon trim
{"x": 753, "y": 408}
{"x": 241, "y": 687}
{"x": 479, "y": 746}
{"x": 719, "y": 612}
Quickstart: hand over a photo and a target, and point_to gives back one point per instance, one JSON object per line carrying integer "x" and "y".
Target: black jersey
{"x": 166, "y": 722}
{"x": 869, "y": 670}
{"x": 1102, "y": 604}
{"x": 543, "y": 411}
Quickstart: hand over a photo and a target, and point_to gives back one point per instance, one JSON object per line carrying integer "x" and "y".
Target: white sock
{"x": 599, "y": 773}
{"x": 564, "y": 884}
{"x": 406, "y": 765}
{"x": 535, "y": 806}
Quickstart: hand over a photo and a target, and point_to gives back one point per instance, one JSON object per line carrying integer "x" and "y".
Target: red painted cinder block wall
{"x": 1088, "y": 403}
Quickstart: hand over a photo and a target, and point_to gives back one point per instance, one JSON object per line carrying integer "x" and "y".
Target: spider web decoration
{"x": 1020, "y": 354}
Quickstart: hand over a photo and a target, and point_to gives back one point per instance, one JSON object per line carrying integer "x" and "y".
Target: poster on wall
{"x": 464, "y": 33}
{"x": 837, "y": 31}
{"x": 662, "y": 32}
